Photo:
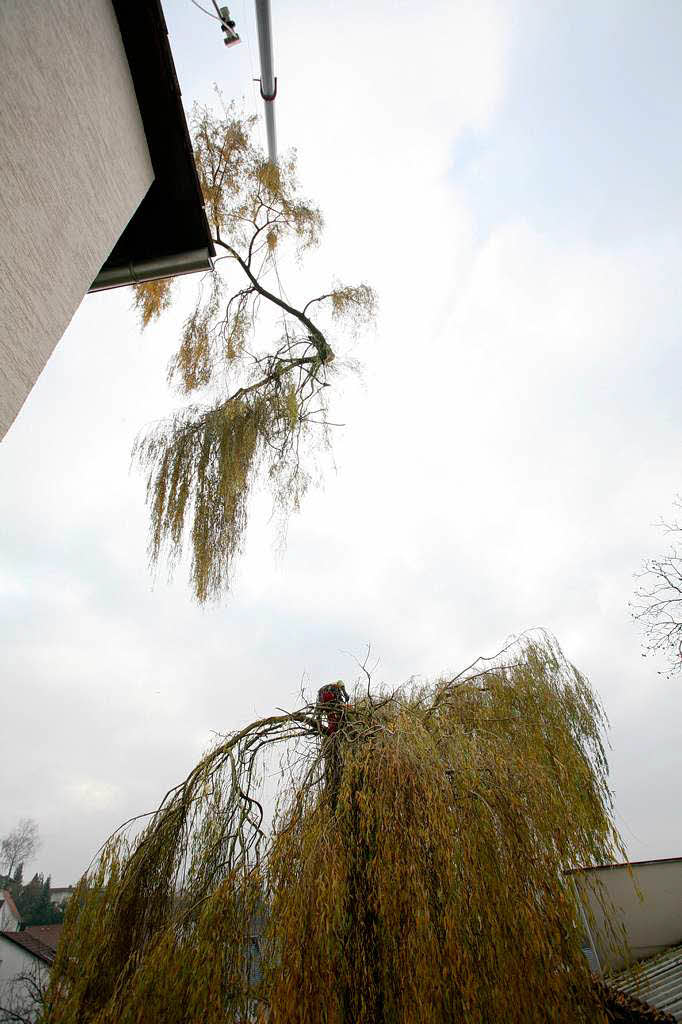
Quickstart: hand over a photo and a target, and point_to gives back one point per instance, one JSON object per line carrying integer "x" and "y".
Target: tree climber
{"x": 330, "y": 700}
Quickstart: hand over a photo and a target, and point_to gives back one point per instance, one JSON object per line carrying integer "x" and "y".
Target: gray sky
{"x": 507, "y": 176}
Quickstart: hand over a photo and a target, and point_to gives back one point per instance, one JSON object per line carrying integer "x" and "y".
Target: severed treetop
{"x": 260, "y": 362}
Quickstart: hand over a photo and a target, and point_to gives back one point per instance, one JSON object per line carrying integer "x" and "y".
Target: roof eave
{"x": 169, "y": 228}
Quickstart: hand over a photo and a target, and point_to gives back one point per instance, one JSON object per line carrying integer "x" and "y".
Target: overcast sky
{"x": 508, "y": 177}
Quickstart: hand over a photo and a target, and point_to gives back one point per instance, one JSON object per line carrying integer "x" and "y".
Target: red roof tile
{"x": 48, "y": 934}
{"x": 40, "y": 940}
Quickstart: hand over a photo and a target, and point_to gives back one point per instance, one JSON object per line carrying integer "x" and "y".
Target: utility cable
{"x": 205, "y": 11}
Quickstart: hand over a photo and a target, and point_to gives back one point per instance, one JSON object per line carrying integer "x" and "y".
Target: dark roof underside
{"x": 170, "y": 219}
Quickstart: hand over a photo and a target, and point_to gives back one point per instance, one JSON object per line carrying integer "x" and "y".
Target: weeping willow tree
{"x": 262, "y": 380}
{"x": 412, "y": 872}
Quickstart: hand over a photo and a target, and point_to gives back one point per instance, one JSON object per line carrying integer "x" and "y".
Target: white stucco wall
{"x": 59, "y": 897}
{"x": 8, "y": 921}
{"x": 653, "y": 922}
{"x": 15, "y": 961}
{"x": 74, "y": 166}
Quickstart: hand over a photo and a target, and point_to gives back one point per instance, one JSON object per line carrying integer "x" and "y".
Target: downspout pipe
{"x": 586, "y": 925}
{"x": 152, "y": 270}
{"x": 268, "y": 82}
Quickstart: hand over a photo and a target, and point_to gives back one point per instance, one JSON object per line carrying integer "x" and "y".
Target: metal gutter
{"x": 627, "y": 864}
{"x": 153, "y": 270}
{"x": 168, "y": 233}
{"x": 268, "y": 82}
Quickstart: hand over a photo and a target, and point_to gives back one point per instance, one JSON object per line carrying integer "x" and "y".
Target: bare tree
{"x": 263, "y": 380}
{"x": 22, "y": 997}
{"x": 20, "y": 845}
{"x": 657, "y": 605}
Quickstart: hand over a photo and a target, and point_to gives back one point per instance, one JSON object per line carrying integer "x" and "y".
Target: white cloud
{"x": 517, "y": 432}
{"x": 90, "y": 794}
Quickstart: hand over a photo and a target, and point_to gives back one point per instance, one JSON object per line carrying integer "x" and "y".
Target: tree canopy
{"x": 262, "y": 379}
{"x": 34, "y": 903}
{"x": 413, "y": 870}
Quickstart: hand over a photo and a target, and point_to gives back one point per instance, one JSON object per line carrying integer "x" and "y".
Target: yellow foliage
{"x": 151, "y": 298}
{"x": 292, "y": 407}
{"x": 194, "y": 362}
{"x": 357, "y": 302}
{"x": 269, "y": 175}
{"x": 201, "y": 469}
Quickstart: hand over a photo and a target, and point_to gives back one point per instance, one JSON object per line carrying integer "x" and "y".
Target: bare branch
{"x": 657, "y": 604}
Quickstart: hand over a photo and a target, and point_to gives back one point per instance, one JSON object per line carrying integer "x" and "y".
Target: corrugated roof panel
{"x": 657, "y": 981}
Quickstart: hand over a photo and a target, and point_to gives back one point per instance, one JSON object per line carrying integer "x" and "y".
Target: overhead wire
{"x": 256, "y": 107}
{"x": 205, "y": 11}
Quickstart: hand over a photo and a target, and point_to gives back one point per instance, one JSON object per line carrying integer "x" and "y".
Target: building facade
{"x": 646, "y": 897}
{"x": 10, "y": 918}
{"x": 97, "y": 181}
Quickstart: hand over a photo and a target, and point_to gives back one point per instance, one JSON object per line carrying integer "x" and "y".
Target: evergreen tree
{"x": 34, "y": 905}
{"x": 27, "y": 897}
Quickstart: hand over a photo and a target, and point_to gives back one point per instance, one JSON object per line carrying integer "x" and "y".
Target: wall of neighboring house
{"x": 60, "y": 897}
{"x": 9, "y": 921}
{"x": 15, "y": 962}
{"x": 74, "y": 166}
{"x": 653, "y": 922}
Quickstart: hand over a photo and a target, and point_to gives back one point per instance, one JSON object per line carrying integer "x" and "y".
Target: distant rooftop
{"x": 626, "y": 864}
{"x": 40, "y": 940}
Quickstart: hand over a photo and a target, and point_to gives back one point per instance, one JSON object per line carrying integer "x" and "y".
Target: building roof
{"x": 39, "y": 940}
{"x": 657, "y": 981}
{"x": 48, "y": 934}
{"x": 622, "y": 1008}
{"x": 170, "y": 221}
{"x": 625, "y": 864}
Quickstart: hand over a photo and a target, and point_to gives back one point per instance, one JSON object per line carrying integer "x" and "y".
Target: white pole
{"x": 268, "y": 82}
